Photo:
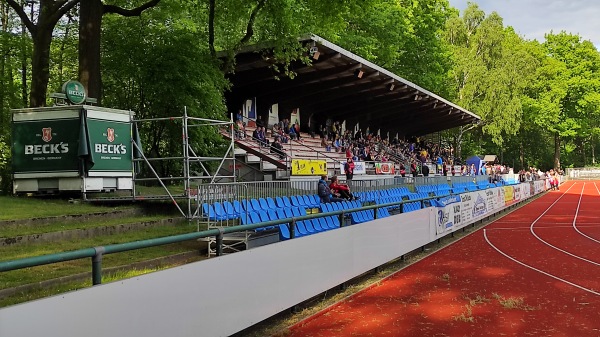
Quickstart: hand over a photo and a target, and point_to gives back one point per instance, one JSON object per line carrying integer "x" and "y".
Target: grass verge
{"x": 16, "y": 208}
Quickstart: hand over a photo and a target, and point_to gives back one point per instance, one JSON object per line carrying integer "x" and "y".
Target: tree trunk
{"x": 24, "y": 62}
{"x": 40, "y": 67}
{"x": 593, "y": 152}
{"x": 556, "y": 151}
{"x": 583, "y": 152}
{"x": 521, "y": 154}
{"x": 90, "y": 21}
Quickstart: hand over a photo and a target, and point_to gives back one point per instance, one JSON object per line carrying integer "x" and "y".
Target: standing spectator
{"x": 349, "y": 169}
{"x": 413, "y": 169}
{"x": 402, "y": 170}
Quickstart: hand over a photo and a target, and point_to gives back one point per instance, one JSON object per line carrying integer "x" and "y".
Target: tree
{"x": 90, "y": 28}
{"x": 50, "y": 11}
{"x": 564, "y": 96}
{"x": 490, "y": 71}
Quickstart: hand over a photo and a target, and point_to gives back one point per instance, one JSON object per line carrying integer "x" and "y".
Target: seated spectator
{"x": 259, "y": 122}
{"x": 277, "y": 149}
{"x": 293, "y": 134}
{"x": 240, "y": 129}
{"x": 340, "y": 190}
{"x": 324, "y": 191}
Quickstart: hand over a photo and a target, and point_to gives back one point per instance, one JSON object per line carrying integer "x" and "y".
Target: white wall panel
{"x": 223, "y": 295}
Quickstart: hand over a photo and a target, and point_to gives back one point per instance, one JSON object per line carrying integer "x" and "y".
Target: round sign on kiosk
{"x": 74, "y": 91}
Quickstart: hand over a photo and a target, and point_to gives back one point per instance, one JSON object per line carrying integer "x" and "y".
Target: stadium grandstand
{"x": 340, "y": 105}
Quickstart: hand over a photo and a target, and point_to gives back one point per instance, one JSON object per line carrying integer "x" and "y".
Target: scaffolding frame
{"x": 188, "y": 158}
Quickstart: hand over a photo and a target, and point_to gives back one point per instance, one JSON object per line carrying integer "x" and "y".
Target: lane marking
{"x": 575, "y": 226}
{"x": 538, "y": 270}
{"x": 564, "y": 225}
{"x": 531, "y": 229}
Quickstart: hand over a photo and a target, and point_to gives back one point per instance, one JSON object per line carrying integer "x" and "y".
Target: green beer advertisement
{"x": 110, "y": 145}
{"x": 45, "y": 145}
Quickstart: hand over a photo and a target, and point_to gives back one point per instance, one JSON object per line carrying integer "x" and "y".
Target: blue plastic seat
{"x": 284, "y": 232}
{"x": 279, "y": 202}
{"x": 286, "y": 201}
{"x": 356, "y": 218}
{"x": 209, "y": 212}
{"x": 263, "y": 204}
{"x": 296, "y": 211}
{"x": 271, "y": 203}
{"x": 230, "y": 211}
{"x": 301, "y": 229}
{"x": 309, "y": 226}
{"x": 294, "y": 200}
{"x": 255, "y": 204}
{"x": 247, "y": 205}
{"x": 288, "y": 213}
{"x": 323, "y": 224}
{"x": 237, "y": 206}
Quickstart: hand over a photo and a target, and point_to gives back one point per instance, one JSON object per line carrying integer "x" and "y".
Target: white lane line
{"x": 553, "y": 246}
{"x": 575, "y": 226}
{"x": 538, "y": 270}
{"x": 563, "y": 225}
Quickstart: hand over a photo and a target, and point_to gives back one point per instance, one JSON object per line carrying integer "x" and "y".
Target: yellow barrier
{"x": 306, "y": 167}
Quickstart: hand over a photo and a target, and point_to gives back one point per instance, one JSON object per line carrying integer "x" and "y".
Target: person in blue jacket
{"x": 324, "y": 191}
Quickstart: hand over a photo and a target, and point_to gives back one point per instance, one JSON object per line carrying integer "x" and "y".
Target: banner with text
{"x": 306, "y": 167}
{"x": 359, "y": 167}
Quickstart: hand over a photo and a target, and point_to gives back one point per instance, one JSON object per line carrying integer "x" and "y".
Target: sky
{"x": 534, "y": 18}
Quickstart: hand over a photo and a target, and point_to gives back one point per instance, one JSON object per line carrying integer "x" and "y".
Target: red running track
{"x": 534, "y": 272}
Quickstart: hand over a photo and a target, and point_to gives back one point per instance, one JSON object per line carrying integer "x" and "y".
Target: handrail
{"x": 96, "y": 253}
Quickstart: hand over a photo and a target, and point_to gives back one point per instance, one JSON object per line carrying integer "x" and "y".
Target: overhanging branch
{"x": 129, "y": 12}
{"x": 23, "y": 16}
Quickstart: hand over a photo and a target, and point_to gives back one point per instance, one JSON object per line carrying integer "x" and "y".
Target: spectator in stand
{"x": 292, "y": 132}
{"x": 425, "y": 170}
{"x": 413, "y": 169}
{"x": 277, "y": 149}
{"x": 349, "y": 169}
{"x": 402, "y": 170}
{"x": 240, "y": 129}
{"x": 259, "y": 122}
{"x": 472, "y": 170}
{"x": 262, "y": 137}
{"x": 324, "y": 191}
{"x": 340, "y": 190}
{"x": 238, "y": 116}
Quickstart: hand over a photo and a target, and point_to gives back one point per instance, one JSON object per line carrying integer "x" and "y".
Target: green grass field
{"x": 15, "y": 208}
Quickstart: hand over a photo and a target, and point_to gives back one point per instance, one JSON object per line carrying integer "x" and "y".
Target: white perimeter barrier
{"x": 223, "y": 295}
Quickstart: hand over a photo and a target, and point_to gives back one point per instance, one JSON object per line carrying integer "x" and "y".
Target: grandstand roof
{"x": 343, "y": 86}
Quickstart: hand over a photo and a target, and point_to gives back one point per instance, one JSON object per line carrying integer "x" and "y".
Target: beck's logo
{"x": 46, "y": 134}
{"x": 110, "y": 135}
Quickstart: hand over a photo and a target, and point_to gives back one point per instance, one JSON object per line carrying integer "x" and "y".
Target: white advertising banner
{"x": 525, "y": 191}
{"x": 538, "y": 186}
{"x": 448, "y": 214}
{"x": 517, "y": 193}
{"x": 479, "y": 206}
{"x": 359, "y": 167}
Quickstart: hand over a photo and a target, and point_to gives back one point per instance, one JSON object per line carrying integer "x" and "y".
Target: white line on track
{"x": 538, "y": 270}
{"x": 575, "y": 219}
{"x": 564, "y": 225}
{"x": 575, "y": 226}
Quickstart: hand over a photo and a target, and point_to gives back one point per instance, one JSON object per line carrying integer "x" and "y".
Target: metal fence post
{"x": 219, "y": 239}
{"x": 97, "y": 265}
{"x": 292, "y": 227}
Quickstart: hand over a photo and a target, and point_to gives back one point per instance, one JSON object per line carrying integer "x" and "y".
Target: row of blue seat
{"x": 229, "y": 210}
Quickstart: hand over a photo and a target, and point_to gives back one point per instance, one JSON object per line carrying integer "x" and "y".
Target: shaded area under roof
{"x": 342, "y": 86}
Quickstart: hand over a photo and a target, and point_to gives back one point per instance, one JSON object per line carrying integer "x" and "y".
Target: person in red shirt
{"x": 341, "y": 190}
